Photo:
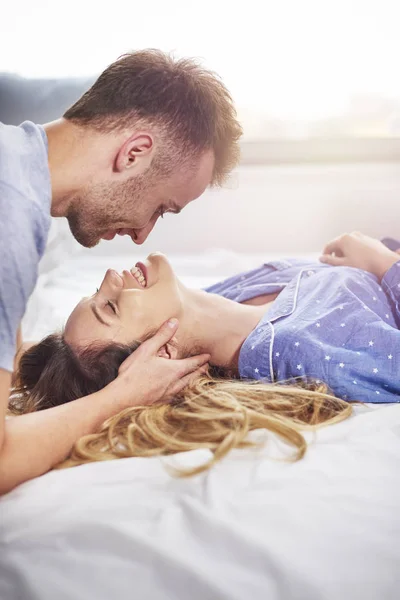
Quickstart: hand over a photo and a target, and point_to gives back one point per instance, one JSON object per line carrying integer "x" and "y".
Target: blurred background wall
{"x": 316, "y": 86}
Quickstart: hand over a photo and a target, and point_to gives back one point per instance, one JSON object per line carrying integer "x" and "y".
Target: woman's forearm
{"x": 33, "y": 443}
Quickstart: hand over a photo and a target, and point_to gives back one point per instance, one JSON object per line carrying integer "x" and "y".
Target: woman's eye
{"x": 112, "y": 306}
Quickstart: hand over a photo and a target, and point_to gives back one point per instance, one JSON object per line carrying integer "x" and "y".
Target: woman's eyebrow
{"x": 98, "y": 315}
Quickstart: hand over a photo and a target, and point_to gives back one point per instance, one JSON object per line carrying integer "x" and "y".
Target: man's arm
{"x": 21, "y": 347}
{"x": 32, "y": 444}
{"x": 5, "y": 384}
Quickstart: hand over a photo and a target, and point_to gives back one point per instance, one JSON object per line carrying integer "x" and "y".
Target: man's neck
{"x": 75, "y": 156}
{"x": 62, "y": 149}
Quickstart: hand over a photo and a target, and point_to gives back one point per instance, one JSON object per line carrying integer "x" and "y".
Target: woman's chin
{"x": 158, "y": 268}
{"x": 154, "y": 256}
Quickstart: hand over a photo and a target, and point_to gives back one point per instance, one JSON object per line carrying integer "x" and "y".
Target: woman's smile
{"x": 135, "y": 275}
{"x": 143, "y": 297}
{"x": 142, "y": 273}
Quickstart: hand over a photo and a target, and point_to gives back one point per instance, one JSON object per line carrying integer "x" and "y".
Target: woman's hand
{"x": 145, "y": 377}
{"x": 360, "y": 251}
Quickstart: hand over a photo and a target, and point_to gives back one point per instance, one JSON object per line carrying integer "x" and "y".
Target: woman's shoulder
{"x": 267, "y": 271}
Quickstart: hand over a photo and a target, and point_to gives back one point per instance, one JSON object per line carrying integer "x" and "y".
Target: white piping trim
{"x": 271, "y": 347}
{"x": 276, "y": 284}
{"x": 297, "y": 289}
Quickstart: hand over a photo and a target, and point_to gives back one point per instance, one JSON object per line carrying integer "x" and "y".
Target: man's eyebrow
{"x": 97, "y": 314}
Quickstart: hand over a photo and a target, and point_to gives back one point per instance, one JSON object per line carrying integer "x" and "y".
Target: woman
{"x": 285, "y": 320}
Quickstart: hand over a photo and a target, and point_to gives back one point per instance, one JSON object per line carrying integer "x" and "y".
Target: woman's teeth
{"x": 138, "y": 275}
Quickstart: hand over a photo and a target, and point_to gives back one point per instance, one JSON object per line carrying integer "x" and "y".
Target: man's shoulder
{"x": 22, "y": 146}
{"x": 14, "y": 137}
{"x": 25, "y": 187}
{"x": 24, "y": 169}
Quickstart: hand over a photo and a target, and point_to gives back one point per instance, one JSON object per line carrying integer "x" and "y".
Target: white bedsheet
{"x": 327, "y": 527}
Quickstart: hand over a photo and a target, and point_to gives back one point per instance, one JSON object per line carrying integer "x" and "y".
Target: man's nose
{"x": 140, "y": 235}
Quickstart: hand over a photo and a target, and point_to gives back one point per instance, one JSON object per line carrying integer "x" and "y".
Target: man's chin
{"x": 87, "y": 240}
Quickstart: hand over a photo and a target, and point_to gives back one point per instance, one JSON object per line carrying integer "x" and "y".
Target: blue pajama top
{"x": 338, "y": 325}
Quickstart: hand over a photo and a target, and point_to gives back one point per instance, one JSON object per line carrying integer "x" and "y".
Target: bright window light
{"x": 295, "y": 67}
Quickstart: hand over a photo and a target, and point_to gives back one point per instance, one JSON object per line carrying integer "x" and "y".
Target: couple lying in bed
{"x": 291, "y": 342}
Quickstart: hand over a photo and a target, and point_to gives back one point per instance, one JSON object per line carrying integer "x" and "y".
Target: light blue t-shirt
{"x": 25, "y": 201}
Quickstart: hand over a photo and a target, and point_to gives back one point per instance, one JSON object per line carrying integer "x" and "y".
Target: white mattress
{"x": 327, "y": 527}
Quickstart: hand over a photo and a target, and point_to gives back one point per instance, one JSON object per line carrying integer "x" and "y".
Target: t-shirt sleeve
{"x": 20, "y": 232}
{"x": 391, "y": 286}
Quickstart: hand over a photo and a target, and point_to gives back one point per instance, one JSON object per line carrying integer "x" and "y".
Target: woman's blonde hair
{"x": 213, "y": 413}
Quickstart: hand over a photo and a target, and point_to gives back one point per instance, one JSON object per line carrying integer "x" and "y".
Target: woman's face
{"x": 128, "y": 306}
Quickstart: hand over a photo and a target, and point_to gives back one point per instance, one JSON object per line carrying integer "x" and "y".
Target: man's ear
{"x": 136, "y": 154}
{"x": 169, "y": 350}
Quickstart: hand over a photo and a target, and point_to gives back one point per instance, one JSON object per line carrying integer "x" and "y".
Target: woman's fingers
{"x": 330, "y": 248}
{"x": 330, "y": 259}
{"x": 334, "y": 247}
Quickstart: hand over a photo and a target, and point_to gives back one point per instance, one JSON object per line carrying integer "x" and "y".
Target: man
{"x": 148, "y": 138}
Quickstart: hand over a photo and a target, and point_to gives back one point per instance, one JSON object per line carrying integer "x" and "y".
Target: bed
{"x": 256, "y": 526}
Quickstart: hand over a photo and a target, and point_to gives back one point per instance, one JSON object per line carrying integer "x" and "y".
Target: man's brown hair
{"x": 187, "y": 102}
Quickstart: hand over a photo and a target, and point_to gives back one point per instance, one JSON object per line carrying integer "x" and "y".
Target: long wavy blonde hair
{"x": 216, "y": 413}
{"x": 213, "y": 414}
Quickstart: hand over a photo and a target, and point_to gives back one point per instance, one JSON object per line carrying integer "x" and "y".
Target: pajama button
{"x": 309, "y": 273}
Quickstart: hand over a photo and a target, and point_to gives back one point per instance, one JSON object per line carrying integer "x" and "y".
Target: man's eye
{"x": 112, "y": 306}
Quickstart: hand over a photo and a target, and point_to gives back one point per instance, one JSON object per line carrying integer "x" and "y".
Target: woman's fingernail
{"x": 172, "y": 322}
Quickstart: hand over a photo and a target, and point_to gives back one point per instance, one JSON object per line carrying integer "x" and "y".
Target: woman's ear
{"x": 169, "y": 350}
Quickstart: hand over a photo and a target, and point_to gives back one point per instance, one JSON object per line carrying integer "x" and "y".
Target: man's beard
{"x": 103, "y": 208}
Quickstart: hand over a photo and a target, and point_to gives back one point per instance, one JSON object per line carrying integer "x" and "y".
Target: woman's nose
{"x": 112, "y": 281}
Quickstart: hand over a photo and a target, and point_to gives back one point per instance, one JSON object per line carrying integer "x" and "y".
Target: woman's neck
{"x": 218, "y": 326}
